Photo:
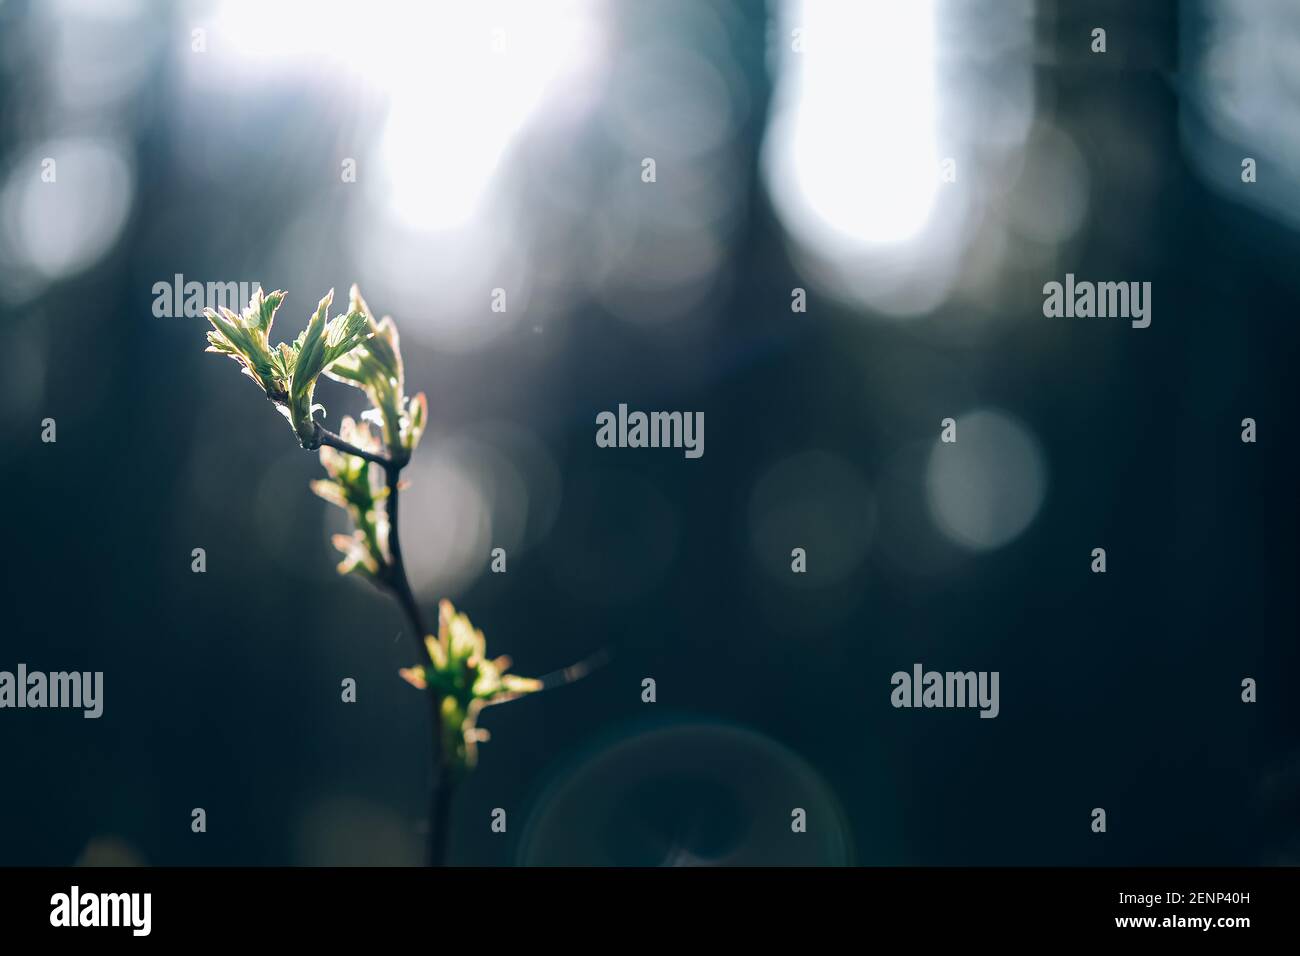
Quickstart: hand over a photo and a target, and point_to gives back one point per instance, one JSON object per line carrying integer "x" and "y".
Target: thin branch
{"x": 397, "y": 581}
{"x": 393, "y": 576}
{"x": 326, "y": 437}
{"x": 440, "y": 815}
{"x": 396, "y": 571}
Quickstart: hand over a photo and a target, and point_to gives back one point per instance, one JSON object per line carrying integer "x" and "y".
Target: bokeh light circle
{"x": 689, "y": 794}
{"x": 985, "y": 488}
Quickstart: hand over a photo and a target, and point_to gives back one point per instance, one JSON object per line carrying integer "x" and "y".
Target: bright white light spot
{"x": 851, "y": 151}
{"x": 455, "y": 114}
{"x": 463, "y": 81}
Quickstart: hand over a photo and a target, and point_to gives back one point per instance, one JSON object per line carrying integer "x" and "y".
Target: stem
{"x": 440, "y": 816}
{"x": 326, "y": 437}
{"x": 395, "y": 577}
{"x": 396, "y": 573}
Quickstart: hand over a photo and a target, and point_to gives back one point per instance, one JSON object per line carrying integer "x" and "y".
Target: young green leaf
{"x": 356, "y": 488}
{"x": 320, "y": 345}
{"x": 244, "y": 339}
{"x": 376, "y": 369}
{"x": 286, "y": 373}
{"x": 466, "y": 680}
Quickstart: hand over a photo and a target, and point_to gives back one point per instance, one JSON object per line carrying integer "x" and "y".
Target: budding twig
{"x": 458, "y": 675}
{"x": 326, "y": 437}
{"x": 393, "y": 576}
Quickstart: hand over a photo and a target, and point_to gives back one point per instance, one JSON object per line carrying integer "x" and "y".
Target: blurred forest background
{"x": 501, "y": 145}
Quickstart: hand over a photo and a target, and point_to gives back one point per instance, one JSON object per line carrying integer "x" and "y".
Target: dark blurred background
{"x": 500, "y": 145}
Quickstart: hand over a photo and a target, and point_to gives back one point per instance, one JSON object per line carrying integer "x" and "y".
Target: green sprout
{"x": 287, "y": 373}
{"x": 376, "y": 369}
{"x": 467, "y": 681}
{"x": 353, "y": 487}
{"x": 362, "y": 472}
